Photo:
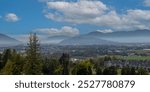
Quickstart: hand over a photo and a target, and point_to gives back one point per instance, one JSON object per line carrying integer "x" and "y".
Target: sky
{"x": 48, "y": 18}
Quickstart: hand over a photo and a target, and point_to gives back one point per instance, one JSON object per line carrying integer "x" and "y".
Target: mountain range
{"x": 92, "y": 38}
{"x": 99, "y": 38}
{"x": 138, "y": 36}
{"x": 122, "y": 33}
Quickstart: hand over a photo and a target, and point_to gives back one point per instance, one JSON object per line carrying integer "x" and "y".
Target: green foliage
{"x": 5, "y": 57}
{"x": 107, "y": 58}
{"x": 133, "y": 58}
{"x": 128, "y": 71}
{"x": 100, "y": 62}
{"x": 125, "y": 71}
{"x": 33, "y": 64}
{"x": 64, "y": 61}
{"x": 83, "y": 68}
{"x": 99, "y": 71}
{"x": 8, "y": 69}
{"x": 133, "y": 71}
{"x": 1, "y": 66}
{"x": 50, "y": 66}
{"x": 14, "y": 65}
{"x": 59, "y": 70}
{"x": 110, "y": 71}
{"x": 142, "y": 71}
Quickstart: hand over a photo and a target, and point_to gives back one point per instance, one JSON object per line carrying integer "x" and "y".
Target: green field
{"x": 134, "y": 58}
{"x": 140, "y": 51}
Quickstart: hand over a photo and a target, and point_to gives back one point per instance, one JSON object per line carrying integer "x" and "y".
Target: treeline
{"x": 33, "y": 63}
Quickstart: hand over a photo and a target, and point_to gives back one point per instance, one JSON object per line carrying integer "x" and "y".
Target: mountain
{"x": 113, "y": 38}
{"x": 138, "y": 36}
{"x": 122, "y": 33}
{"x": 86, "y": 40}
{"x": 8, "y": 41}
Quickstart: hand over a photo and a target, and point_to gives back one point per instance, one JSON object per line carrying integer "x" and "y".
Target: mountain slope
{"x": 138, "y": 36}
{"x": 86, "y": 40}
{"x": 8, "y": 41}
{"x": 122, "y": 33}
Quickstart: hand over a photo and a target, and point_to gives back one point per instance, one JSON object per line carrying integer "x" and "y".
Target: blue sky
{"x": 72, "y": 17}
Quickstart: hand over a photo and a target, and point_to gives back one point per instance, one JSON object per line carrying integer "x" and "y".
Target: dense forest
{"x": 32, "y": 62}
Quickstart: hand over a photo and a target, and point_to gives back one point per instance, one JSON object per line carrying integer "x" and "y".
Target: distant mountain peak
{"x": 8, "y": 41}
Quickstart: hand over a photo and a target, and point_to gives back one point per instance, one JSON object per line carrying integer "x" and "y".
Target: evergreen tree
{"x": 1, "y": 61}
{"x": 18, "y": 63}
{"x": 14, "y": 65}
{"x": 8, "y": 69}
{"x": 50, "y": 66}
{"x": 33, "y": 64}
{"x": 64, "y": 61}
{"x": 5, "y": 57}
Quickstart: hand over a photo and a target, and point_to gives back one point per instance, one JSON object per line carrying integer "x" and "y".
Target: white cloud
{"x": 135, "y": 19}
{"x": 81, "y": 8}
{"x": 66, "y": 31}
{"x": 147, "y": 2}
{"x": 11, "y": 17}
{"x": 105, "y": 31}
{"x": 75, "y": 11}
{"x": 97, "y": 13}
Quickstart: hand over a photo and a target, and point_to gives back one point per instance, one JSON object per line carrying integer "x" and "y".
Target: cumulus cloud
{"x": 147, "y": 2}
{"x": 136, "y": 19}
{"x": 11, "y": 17}
{"x": 97, "y": 13}
{"x": 77, "y": 12}
{"x": 81, "y": 8}
{"x": 105, "y": 31}
{"x": 65, "y": 31}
